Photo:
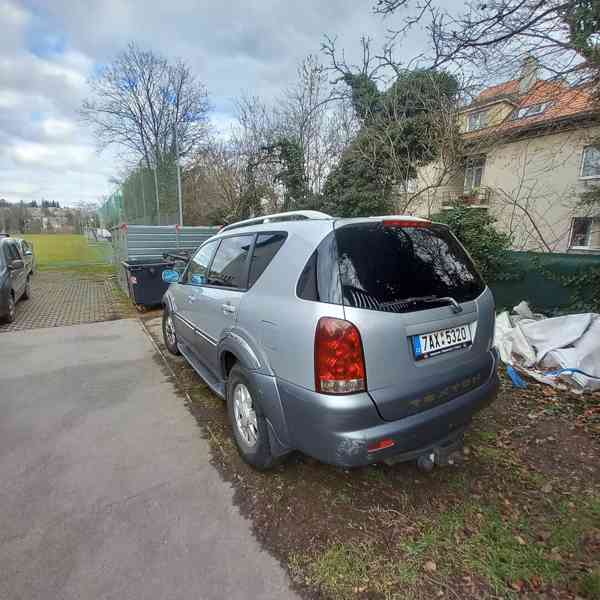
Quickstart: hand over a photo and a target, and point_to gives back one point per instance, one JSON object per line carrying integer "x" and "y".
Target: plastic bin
{"x": 144, "y": 280}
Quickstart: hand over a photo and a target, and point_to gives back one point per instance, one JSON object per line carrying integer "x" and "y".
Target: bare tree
{"x": 318, "y": 115}
{"x": 140, "y": 100}
{"x": 562, "y": 35}
{"x": 253, "y": 137}
{"x": 214, "y": 183}
{"x": 250, "y": 172}
{"x": 309, "y": 116}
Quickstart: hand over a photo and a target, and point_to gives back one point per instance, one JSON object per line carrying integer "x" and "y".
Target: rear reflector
{"x": 339, "y": 359}
{"x": 405, "y": 223}
{"x": 381, "y": 445}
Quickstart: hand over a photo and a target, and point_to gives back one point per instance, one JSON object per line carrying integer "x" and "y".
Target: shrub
{"x": 476, "y": 230}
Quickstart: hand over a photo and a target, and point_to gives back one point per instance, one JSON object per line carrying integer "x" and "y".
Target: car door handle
{"x": 228, "y": 309}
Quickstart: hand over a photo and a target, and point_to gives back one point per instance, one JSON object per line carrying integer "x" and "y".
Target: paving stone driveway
{"x": 66, "y": 298}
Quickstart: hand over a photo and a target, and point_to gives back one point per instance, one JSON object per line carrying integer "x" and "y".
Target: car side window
{"x": 266, "y": 247}
{"x": 230, "y": 265}
{"x": 11, "y": 252}
{"x": 197, "y": 270}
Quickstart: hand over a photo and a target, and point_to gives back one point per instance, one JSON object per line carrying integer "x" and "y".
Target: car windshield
{"x": 403, "y": 268}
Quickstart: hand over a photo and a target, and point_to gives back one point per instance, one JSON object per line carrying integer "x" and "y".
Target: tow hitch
{"x": 443, "y": 455}
{"x": 426, "y": 462}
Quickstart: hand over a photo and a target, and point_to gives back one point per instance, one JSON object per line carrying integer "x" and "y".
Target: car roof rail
{"x": 293, "y": 215}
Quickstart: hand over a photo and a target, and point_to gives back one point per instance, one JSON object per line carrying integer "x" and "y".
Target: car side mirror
{"x": 198, "y": 280}
{"x": 28, "y": 253}
{"x": 170, "y": 276}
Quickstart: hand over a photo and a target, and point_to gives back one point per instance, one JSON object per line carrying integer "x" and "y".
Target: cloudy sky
{"x": 49, "y": 49}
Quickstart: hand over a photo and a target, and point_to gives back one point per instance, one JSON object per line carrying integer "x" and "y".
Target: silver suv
{"x": 352, "y": 340}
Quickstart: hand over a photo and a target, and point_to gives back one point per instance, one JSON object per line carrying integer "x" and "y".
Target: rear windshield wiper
{"x": 456, "y": 307}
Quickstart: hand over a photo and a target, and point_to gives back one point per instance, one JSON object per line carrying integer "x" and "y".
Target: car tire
{"x": 11, "y": 314}
{"x": 27, "y": 292}
{"x": 248, "y": 421}
{"x": 169, "y": 333}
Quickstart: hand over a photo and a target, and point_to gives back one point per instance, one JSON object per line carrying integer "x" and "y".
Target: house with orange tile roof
{"x": 530, "y": 148}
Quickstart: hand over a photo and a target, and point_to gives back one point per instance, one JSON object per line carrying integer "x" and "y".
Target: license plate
{"x": 443, "y": 340}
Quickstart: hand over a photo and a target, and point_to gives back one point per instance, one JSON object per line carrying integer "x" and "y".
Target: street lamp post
{"x": 157, "y": 197}
{"x": 178, "y": 175}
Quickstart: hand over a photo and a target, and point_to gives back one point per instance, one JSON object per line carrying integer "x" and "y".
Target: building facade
{"x": 530, "y": 149}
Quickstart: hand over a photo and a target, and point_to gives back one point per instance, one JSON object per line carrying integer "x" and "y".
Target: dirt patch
{"x": 519, "y": 516}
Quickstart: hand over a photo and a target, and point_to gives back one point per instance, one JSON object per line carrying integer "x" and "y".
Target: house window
{"x": 530, "y": 111}
{"x": 473, "y": 173}
{"x": 409, "y": 186}
{"x": 477, "y": 120}
{"x": 585, "y": 232}
{"x": 590, "y": 162}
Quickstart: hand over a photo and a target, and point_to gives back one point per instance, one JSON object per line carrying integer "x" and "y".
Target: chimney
{"x": 529, "y": 74}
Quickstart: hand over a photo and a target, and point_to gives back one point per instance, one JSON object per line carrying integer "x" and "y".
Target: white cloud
{"x": 13, "y": 20}
{"x": 9, "y": 99}
{"x": 44, "y": 152}
{"x": 57, "y": 128}
{"x": 49, "y": 49}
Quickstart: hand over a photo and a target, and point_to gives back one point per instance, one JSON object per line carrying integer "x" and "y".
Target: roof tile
{"x": 565, "y": 101}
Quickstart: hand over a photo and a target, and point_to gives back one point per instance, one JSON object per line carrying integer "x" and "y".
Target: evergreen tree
{"x": 395, "y": 139}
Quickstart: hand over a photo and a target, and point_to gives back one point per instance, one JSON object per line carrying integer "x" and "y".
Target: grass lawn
{"x": 70, "y": 251}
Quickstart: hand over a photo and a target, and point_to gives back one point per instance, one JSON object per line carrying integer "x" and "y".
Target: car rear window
{"x": 389, "y": 268}
{"x": 401, "y": 268}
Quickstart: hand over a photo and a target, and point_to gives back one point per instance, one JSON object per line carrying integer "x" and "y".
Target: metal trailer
{"x": 148, "y": 243}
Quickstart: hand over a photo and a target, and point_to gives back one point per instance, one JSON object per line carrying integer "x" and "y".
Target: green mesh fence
{"x": 148, "y": 196}
{"x": 552, "y": 283}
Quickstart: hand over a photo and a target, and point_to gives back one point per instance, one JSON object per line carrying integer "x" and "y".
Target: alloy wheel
{"x": 170, "y": 331}
{"x": 245, "y": 415}
{"x": 12, "y": 309}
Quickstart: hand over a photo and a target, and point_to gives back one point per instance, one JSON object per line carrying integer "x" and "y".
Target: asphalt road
{"x": 106, "y": 490}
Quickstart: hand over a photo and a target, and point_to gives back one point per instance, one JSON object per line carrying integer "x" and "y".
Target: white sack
{"x": 536, "y": 345}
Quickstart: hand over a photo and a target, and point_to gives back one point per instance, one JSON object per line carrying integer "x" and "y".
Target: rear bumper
{"x": 339, "y": 429}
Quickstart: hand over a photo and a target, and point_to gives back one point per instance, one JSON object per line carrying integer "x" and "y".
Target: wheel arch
{"x": 267, "y": 391}
{"x": 236, "y": 347}
{"x": 167, "y": 301}
{"x": 227, "y": 360}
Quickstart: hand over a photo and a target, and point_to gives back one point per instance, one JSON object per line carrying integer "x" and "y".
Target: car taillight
{"x": 339, "y": 359}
